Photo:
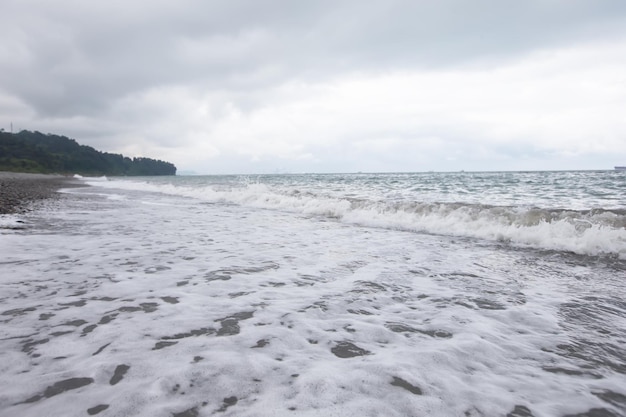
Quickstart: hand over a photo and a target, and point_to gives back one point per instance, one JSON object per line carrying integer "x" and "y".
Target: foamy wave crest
{"x": 91, "y": 179}
{"x": 588, "y": 232}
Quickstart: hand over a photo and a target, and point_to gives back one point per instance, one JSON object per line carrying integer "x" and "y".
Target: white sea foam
{"x": 11, "y": 222}
{"x": 227, "y": 309}
{"x": 588, "y": 232}
{"x": 91, "y": 179}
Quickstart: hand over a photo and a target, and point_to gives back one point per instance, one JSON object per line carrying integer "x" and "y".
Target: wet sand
{"x": 19, "y": 191}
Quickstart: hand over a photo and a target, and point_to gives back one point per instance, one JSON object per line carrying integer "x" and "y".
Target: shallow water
{"x": 122, "y": 302}
{"x": 582, "y": 212}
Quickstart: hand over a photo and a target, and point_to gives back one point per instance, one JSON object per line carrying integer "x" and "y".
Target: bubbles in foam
{"x": 588, "y": 231}
{"x": 234, "y": 300}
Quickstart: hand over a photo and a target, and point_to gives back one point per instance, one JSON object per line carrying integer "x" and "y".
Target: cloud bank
{"x": 273, "y": 86}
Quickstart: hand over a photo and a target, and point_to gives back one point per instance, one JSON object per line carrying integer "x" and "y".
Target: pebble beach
{"x": 19, "y": 191}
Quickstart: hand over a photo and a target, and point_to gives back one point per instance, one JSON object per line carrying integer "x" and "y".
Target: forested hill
{"x": 47, "y": 153}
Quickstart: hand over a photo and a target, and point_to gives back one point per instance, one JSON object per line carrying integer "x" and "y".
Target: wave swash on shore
{"x": 216, "y": 296}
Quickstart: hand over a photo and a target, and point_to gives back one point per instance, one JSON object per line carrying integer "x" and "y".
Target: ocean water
{"x": 430, "y": 294}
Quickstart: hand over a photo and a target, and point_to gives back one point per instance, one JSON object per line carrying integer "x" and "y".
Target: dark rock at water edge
{"x": 61, "y": 387}
{"x": 97, "y": 409}
{"x": 399, "y": 382}
{"x": 119, "y": 373}
{"x": 346, "y": 350}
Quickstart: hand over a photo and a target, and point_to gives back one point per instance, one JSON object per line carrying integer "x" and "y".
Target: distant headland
{"x": 37, "y": 152}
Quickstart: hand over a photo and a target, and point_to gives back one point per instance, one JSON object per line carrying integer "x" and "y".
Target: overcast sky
{"x": 323, "y": 86}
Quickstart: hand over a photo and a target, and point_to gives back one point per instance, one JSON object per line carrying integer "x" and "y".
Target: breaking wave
{"x": 587, "y": 232}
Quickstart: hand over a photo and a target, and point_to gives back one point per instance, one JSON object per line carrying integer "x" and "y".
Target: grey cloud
{"x": 88, "y": 69}
{"x": 80, "y": 56}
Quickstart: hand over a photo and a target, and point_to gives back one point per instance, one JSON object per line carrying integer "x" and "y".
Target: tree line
{"x": 47, "y": 153}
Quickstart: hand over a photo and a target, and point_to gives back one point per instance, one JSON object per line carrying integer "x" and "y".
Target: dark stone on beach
{"x": 192, "y": 412}
{"x": 403, "y": 328}
{"x": 238, "y": 294}
{"x": 227, "y": 274}
{"x": 161, "y": 345}
{"x": 261, "y": 343}
{"x": 229, "y": 327}
{"x": 399, "y": 382}
{"x": 19, "y": 192}
{"x": 66, "y": 385}
{"x": 573, "y": 372}
{"x": 79, "y": 303}
{"x": 265, "y": 266}
{"x": 360, "y": 312}
{"x": 155, "y": 269}
{"x": 18, "y": 311}
{"x": 485, "y": 304}
{"x": 442, "y": 334}
{"x": 228, "y": 402}
{"x": 97, "y": 409}
{"x": 89, "y": 329}
{"x": 145, "y": 307}
{"x": 104, "y": 299}
{"x": 217, "y": 276}
{"x": 368, "y": 287}
{"x": 107, "y": 319}
{"x": 244, "y": 315}
{"x": 29, "y": 345}
{"x": 60, "y": 387}
{"x": 612, "y": 397}
{"x": 520, "y": 411}
{"x": 149, "y": 307}
{"x": 274, "y": 284}
{"x": 230, "y": 324}
{"x": 100, "y": 349}
{"x": 348, "y": 350}
{"x": 196, "y": 332}
{"x": 595, "y": 412}
{"x": 119, "y": 373}
{"x": 75, "y": 323}
{"x": 400, "y": 328}
{"x": 45, "y": 316}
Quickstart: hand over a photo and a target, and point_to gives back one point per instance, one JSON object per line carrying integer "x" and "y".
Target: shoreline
{"x": 19, "y": 191}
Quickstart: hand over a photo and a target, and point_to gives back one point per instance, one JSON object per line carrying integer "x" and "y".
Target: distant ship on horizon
{"x": 620, "y": 168}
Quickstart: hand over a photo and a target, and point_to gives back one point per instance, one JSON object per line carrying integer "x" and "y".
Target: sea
{"x": 393, "y": 294}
